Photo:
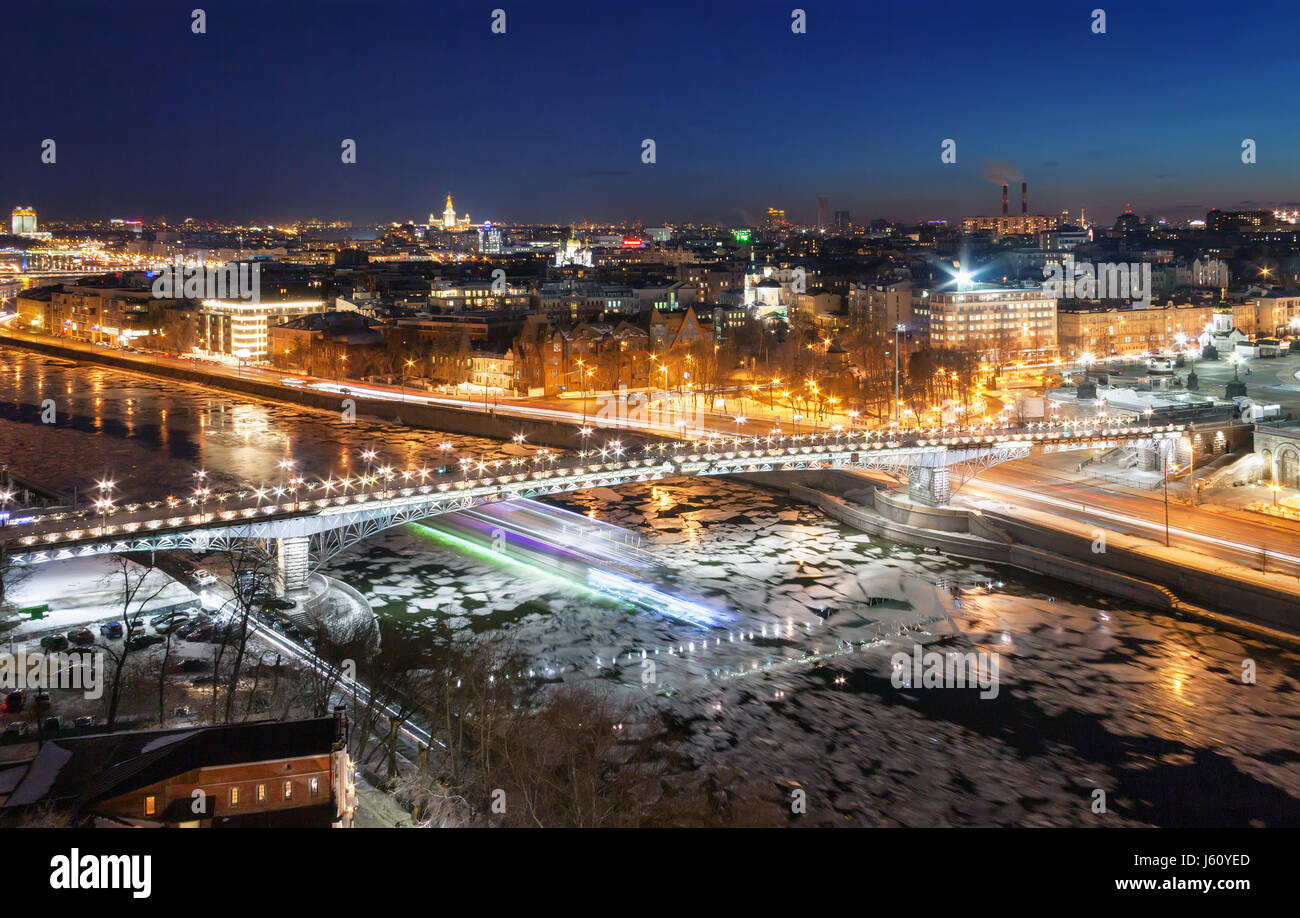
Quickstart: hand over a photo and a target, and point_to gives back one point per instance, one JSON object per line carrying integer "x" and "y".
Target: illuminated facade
{"x": 240, "y": 329}
{"x": 1014, "y": 225}
{"x": 449, "y": 219}
{"x": 23, "y": 221}
{"x": 993, "y": 321}
{"x": 1104, "y": 332}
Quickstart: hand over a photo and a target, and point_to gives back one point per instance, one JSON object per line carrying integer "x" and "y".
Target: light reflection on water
{"x": 151, "y": 435}
{"x": 1095, "y": 694}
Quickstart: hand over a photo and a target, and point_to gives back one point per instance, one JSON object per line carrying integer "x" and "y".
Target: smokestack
{"x": 1024, "y": 197}
{"x": 1004, "y": 199}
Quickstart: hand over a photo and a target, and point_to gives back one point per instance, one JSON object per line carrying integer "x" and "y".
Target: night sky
{"x": 545, "y": 123}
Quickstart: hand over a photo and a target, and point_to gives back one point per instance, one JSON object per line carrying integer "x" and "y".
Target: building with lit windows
{"x": 1013, "y": 225}
{"x": 477, "y": 296}
{"x": 23, "y": 221}
{"x": 489, "y": 240}
{"x": 240, "y": 329}
{"x": 1109, "y": 329}
{"x": 994, "y": 320}
{"x": 449, "y": 219}
{"x": 289, "y": 774}
{"x": 1269, "y": 313}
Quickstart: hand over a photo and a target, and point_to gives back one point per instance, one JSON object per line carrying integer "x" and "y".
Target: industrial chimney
{"x": 1004, "y": 199}
{"x": 1024, "y": 197}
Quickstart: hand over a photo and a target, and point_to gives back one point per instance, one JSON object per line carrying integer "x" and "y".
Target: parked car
{"x": 54, "y": 642}
{"x": 81, "y": 636}
{"x": 173, "y": 623}
{"x": 15, "y": 731}
{"x": 111, "y": 629}
{"x": 84, "y": 721}
{"x": 190, "y": 627}
{"x": 15, "y": 700}
{"x": 201, "y": 632}
{"x": 274, "y": 602}
{"x": 51, "y": 725}
{"x": 194, "y": 665}
{"x": 141, "y": 641}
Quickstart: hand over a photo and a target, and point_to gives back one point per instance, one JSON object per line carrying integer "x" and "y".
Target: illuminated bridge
{"x": 311, "y": 521}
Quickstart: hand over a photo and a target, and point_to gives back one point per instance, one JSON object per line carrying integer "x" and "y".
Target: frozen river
{"x": 770, "y": 628}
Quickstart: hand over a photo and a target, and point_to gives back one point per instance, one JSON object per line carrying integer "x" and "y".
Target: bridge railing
{"x": 329, "y": 496}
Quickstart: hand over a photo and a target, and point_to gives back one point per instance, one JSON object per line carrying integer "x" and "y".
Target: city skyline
{"x": 735, "y": 125}
{"x": 855, "y": 413}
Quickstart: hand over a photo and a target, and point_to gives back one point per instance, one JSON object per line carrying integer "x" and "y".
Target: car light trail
{"x": 1149, "y": 525}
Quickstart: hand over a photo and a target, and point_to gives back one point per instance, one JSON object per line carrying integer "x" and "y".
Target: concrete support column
{"x": 929, "y": 486}
{"x": 293, "y": 558}
{"x": 1148, "y": 458}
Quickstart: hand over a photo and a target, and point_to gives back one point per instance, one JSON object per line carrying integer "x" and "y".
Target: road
{"x": 1265, "y": 543}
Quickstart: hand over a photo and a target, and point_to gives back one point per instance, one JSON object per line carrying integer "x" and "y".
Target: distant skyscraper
{"x": 24, "y": 221}
{"x": 449, "y": 214}
{"x": 821, "y": 214}
{"x": 842, "y": 221}
{"x": 489, "y": 240}
{"x": 775, "y": 217}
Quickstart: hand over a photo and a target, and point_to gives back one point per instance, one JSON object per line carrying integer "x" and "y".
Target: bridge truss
{"x": 333, "y": 522}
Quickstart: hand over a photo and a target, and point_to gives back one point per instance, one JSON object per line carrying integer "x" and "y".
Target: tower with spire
{"x": 449, "y": 214}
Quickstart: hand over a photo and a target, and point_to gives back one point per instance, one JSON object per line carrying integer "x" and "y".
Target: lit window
{"x": 261, "y": 793}
{"x": 288, "y": 790}
{"x": 150, "y": 805}
{"x": 234, "y": 796}
{"x": 315, "y": 786}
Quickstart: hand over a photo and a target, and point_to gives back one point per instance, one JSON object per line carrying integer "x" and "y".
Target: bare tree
{"x": 134, "y": 592}
{"x": 251, "y": 570}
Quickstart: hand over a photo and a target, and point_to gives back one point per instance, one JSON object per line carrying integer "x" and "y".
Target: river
{"x": 771, "y": 629}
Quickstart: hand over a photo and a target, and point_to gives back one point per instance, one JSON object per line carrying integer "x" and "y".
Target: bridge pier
{"x": 293, "y": 556}
{"x": 929, "y": 485}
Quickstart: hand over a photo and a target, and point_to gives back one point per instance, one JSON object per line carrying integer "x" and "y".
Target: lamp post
{"x": 1164, "y": 480}
{"x": 582, "y": 390}
{"x": 105, "y": 503}
{"x": 898, "y": 329}
{"x": 200, "y": 491}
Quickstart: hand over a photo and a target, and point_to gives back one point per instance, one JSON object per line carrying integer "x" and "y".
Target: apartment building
{"x": 1002, "y": 321}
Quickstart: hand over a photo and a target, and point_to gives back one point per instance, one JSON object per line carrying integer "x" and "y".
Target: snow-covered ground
{"x": 85, "y": 591}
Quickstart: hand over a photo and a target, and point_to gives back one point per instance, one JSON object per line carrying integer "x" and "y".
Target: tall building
{"x": 489, "y": 240}
{"x": 821, "y": 214}
{"x": 842, "y": 221}
{"x": 449, "y": 214}
{"x": 24, "y": 221}
{"x": 993, "y": 320}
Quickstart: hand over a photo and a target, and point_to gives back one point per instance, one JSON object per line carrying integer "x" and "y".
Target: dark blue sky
{"x": 546, "y": 121}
